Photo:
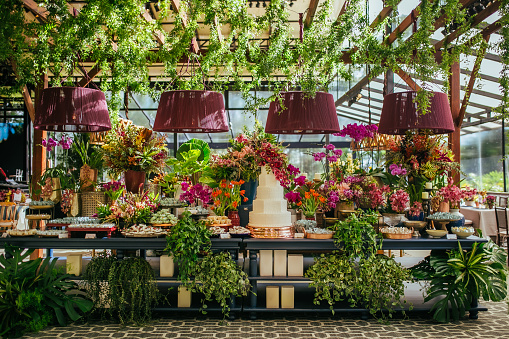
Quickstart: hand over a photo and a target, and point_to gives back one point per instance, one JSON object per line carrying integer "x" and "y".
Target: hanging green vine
{"x": 121, "y": 42}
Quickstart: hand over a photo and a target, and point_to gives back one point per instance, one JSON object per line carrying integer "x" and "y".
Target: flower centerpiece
{"x": 469, "y": 195}
{"x": 311, "y": 202}
{"x": 399, "y": 201}
{"x": 227, "y": 196}
{"x": 113, "y": 190}
{"x": 133, "y": 150}
{"x": 192, "y": 194}
{"x": 249, "y": 152}
{"x": 451, "y": 194}
{"x": 129, "y": 209}
{"x": 424, "y": 157}
{"x": 415, "y": 211}
{"x": 490, "y": 201}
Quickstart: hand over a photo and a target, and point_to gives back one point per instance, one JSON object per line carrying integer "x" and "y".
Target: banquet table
{"x": 482, "y": 218}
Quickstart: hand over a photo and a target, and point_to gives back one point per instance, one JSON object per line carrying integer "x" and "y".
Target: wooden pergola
{"x": 88, "y": 71}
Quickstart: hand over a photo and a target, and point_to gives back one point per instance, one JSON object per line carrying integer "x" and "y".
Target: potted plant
{"x": 218, "y": 277}
{"x": 459, "y": 278}
{"x": 129, "y": 209}
{"x": 227, "y": 196}
{"x": 491, "y": 201}
{"x": 35, "y": 294}
{"x": 91, "y": 160}
{"x": 123, "y": 289}
{"x": 133, "y": 151}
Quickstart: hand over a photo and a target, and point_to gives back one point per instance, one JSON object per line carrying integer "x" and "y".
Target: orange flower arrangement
{"x": 227, "y": 196}
{"x": 311, "y": 202}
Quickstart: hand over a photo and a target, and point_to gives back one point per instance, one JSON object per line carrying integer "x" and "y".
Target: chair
{"x": 7, "y": 216}
{"x": 502, "y": 224}
{"x": 502, "y": 201}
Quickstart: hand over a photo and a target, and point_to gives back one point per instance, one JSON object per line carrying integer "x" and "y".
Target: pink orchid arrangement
{"x": 65, "y": 142}
{"x": 331, "y": 153}
{"x": 358, "y": 132}
{"x": 452, "y": 194}
{"x": 66, "y": 202}
{"x": 194, "y": 193}
{"x": 376, "y": 196}
{"x": 469, "y": 193}
{"x": 113, "y": 189}
{"x": 399, "y": 201}
{"x": 416, "y": 209}
{"x": 396, "y": 169}
{"x": 491, "y": 199}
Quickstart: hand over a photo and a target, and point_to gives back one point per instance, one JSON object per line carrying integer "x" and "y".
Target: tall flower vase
{"x": 134, "y": 180}
{"x": 233, "y": 215}
{"x": 456, "y": 223}
{"x": 250, "y": 188}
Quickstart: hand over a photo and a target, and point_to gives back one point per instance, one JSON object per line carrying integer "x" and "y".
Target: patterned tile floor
{"x": 493, "y": 324}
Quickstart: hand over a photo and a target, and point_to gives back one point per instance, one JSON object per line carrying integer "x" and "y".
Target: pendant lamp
{"x": 401, "y": 114}
{"x": 297, "y": 113}
{"x": 72, "y": 109}
{"x": 191, "y": 111}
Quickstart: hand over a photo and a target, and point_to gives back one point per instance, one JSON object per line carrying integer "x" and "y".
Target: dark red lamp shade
{"x": 191, "y": 111}
{"x": 302, "y": 115}
{"x": 400, "y": 114}
{"x": 72, "y": 109}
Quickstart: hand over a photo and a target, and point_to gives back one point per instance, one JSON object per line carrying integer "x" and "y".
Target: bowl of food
{"x": 463, "y": 232}
{"x": 436, "y": 233}
{"x": 415, "y": 224}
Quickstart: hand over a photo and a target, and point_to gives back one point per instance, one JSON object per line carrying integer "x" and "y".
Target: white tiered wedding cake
{"x": 270, "y": 217}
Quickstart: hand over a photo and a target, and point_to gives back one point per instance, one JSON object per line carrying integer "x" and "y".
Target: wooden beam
{"x": 352, "y": 91}
{"x": 407, "y": 79}
{"x": 157, "y": 33}
{"x": 492, "y": 8}
{"x": 40, "y": 12}
{"x": 343, "y": 10}
{"x": 89, "y": 76}
{"x": 176, "y": 7}
{"x": 384, "y": 13}
{"x": 313, "y": 5}
{"x": 26, "y": 95}
{"x": 455, "y": 101}
{"x": 471, "y": 82}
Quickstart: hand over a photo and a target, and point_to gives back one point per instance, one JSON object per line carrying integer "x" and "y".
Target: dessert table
{"x": 482, "y": 218}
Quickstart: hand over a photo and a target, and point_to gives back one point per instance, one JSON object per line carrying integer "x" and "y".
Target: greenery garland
{"x": 117, "y": 38}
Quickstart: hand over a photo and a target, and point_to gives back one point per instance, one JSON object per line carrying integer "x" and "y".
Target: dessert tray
{"x": 50, "y": 233}
{"x": 143, "y": 231}
{"x": 22, "y": 233}
{"x": 397, "y": 233}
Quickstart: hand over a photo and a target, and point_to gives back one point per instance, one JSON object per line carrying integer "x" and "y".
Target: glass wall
{"x": 482, "y": 159}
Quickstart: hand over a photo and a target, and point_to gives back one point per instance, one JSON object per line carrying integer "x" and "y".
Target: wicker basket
{"x": 90, "y": 201}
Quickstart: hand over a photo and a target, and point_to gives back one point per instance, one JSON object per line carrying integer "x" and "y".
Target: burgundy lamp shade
{"x": 72, "y": 109}
{"x": 400, "y": 114}
{"x": 302, "y": 115}
{"x": 191, "y": 111}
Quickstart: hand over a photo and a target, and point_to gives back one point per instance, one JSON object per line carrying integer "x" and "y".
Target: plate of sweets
{"x": 143, "y": 231}
{"x": 219, "y": 221}
{"x": 22, "y": 233}
{"x": 239, "y": 232}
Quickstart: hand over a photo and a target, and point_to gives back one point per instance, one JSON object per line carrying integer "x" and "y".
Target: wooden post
{"x": 455, "y": 102}
{"x": 39, "y": 153}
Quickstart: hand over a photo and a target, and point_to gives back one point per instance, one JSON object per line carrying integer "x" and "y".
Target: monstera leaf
{"x": 194, "y": 144}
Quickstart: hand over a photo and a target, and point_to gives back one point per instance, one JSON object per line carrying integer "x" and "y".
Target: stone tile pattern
{"x": 493, "y": 324}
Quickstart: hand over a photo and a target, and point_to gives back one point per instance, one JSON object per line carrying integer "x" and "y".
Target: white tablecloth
{"x": 483, "y": 219}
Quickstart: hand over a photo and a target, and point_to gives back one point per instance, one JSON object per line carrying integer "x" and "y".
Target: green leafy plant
{"x": 380, "y": 284}
{"x": 356, "y": 235}
{"x": 333, "y": 276}
{"x": 132, "y": 290}
{"x": 459, "y": 276}
{"x": 219, "y": 278}
{"x": 96, "y": 275}
{"x": 122, "y": 289}
{"x": 186, "y": 241}
{"x": 35, "y": 294}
